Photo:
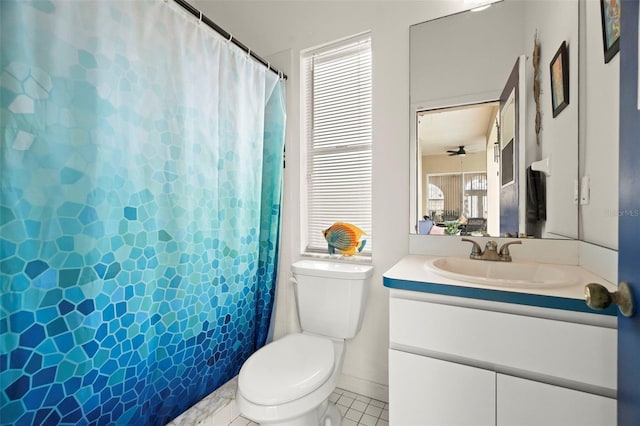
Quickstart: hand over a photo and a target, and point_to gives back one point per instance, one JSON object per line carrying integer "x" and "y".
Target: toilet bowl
{"x": 288, "y": 382}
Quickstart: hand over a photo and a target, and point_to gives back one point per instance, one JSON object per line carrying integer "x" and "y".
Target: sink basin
{"x": 503, "y": 274}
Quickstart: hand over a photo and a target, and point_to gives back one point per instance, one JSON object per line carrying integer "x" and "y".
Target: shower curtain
{"x": 141, "y": 166}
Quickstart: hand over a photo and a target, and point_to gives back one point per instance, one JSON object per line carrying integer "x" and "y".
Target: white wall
{"x": 465, "y": 58}
{"x": 599, "y": 140}
{"x": 559, "y": 135}
{"x": 272, "y": 26}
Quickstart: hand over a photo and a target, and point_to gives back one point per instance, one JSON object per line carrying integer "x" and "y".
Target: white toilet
{"x": 288, "y": 382}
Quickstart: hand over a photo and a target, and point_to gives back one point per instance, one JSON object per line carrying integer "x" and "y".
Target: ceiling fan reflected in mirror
{"x": 460, "y": 151}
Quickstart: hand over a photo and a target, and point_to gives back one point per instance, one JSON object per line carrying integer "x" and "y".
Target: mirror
{"x": 488, "y": 158}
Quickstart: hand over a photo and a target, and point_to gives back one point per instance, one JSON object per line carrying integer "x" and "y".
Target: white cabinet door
{"x": 576, "y": 352}
{"x": 524, "y": 402}
{"x": 425, "y": 391}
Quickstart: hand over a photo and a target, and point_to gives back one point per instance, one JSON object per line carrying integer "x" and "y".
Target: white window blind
{"x": 337, "y": 125}
{"x": 452, "y": 194}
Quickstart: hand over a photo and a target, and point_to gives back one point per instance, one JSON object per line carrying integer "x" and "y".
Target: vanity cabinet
{"x": 429, "y": 391}
{"x": 456, "y": 365}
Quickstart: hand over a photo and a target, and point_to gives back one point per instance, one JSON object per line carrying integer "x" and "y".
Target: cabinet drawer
{"x": 430, "y": 392}
{"x": 570, "y": 351}
{"x": 528, "y": 403}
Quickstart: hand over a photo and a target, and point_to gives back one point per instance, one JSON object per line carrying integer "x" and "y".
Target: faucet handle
{"x": 476, "y": 250}
{"x": 491, "y": 246}
{"x": 504, "y": 250}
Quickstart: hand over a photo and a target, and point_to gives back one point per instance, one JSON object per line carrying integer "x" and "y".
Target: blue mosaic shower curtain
{"x": 139, "y": 214}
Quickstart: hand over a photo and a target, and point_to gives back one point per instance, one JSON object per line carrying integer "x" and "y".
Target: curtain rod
{"x": 198, "y": 14}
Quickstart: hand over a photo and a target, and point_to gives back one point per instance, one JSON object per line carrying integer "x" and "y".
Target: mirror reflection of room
{"x": 460, "y": 190}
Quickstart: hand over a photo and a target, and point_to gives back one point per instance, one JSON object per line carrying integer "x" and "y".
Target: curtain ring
{"x": 200, "y": 19}
{"x": 268, "y": 66}
{"x": 230, "y": 38}
{"x": 248, "y": 53}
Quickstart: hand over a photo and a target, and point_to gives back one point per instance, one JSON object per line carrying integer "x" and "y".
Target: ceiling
{"x": 447, "y": 129}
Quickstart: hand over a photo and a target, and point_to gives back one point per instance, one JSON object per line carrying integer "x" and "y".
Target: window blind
{"x": 451, "y": 194}
{"x": 337, "y": 126}
{"x": 450, "y": 185}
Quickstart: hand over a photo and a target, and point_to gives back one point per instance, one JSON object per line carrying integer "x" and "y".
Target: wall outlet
{"x": 584, "y": 191}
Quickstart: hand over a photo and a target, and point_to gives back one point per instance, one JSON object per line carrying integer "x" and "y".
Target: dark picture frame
{"x": 610, "y": 14}
{"x": 559, "y": 69}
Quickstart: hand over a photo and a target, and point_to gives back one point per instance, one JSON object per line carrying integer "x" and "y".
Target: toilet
{"x": 288, "y": 381}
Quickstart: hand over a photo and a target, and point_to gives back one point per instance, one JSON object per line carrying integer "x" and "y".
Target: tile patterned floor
{"x": 219, "y": 409}
{"x": 360, "y": 410}
{"x": 356, "y": 410}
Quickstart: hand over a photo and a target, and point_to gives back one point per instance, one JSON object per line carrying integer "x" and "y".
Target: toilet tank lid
{"x": 340, "y": 270}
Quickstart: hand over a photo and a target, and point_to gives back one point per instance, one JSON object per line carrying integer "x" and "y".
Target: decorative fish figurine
{"x": 344, "y": 237}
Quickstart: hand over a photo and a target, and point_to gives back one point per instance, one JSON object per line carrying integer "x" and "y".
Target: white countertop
{"x": 411, "y": 279}
{"x": 411, "y": 268}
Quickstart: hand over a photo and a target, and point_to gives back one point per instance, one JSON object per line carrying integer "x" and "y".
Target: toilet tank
{"x": 331, "y": 296}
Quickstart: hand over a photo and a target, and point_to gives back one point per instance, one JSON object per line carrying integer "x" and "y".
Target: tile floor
{"x": 219, "y": 409}
{"x": 360, "y": 410}
{"x": 356, "y": 410}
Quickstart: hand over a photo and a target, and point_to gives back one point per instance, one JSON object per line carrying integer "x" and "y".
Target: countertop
{"x": 411, "y": 274}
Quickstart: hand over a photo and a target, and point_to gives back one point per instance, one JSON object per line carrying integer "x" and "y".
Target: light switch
{"x": 584, "y": 190}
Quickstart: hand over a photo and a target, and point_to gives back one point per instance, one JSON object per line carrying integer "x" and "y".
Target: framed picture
{"x": 610, "y": 11}
{"x": 559, "y": 68}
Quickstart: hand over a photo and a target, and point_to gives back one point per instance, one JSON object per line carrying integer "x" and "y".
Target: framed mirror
{"x": 488, "y": 155}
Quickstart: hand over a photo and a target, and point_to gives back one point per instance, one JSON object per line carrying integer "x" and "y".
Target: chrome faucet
{"x": 491, "y": 251}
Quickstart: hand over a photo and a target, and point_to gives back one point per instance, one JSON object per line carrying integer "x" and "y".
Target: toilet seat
{"x": 287, "y": 369}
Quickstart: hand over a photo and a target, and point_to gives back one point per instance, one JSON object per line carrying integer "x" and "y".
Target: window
{"x": 435, "y": 199}
{"x": 475, "y": 195}
{"x": 337, "y": 129}
{"x": 451, "y": 194}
